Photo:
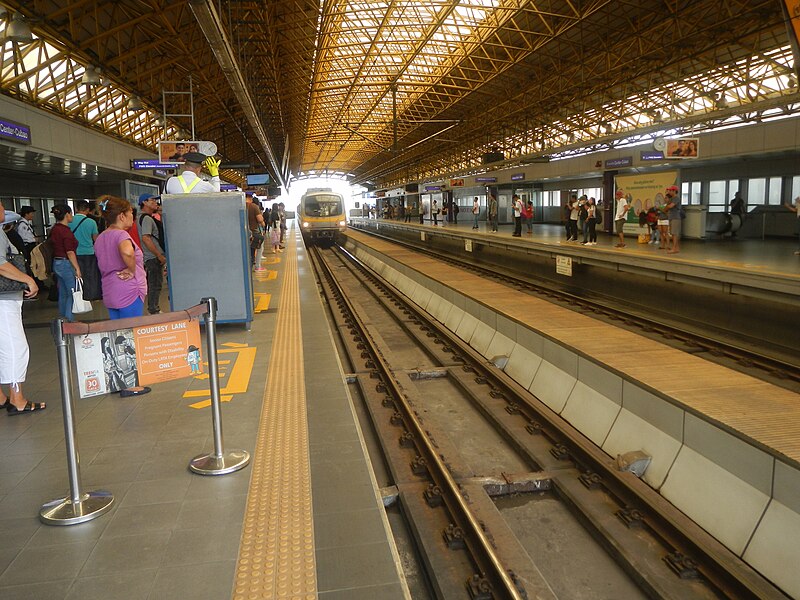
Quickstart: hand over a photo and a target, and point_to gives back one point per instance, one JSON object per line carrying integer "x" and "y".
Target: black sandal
{"x": 28, "y": 408}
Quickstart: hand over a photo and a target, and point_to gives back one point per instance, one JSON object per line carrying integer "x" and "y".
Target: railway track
{"x": 724, "y": 347}
{"x": 461, "y": 440}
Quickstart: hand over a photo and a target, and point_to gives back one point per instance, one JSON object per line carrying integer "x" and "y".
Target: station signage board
{"x": 651, "y": 155}
{"x": 139, "y": 164}
{"x": 518, "y": 177}
{"x": 486, "y": 179}
{"x": 14, "y": 132}
{"x": 433, "y": 188}
{"x": 615, "y": 163}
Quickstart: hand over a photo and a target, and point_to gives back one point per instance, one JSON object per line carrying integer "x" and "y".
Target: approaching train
{"x": 321, "y": 215}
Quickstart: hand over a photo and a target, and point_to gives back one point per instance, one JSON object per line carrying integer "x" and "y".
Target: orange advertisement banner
{"x": 168, "y": 351}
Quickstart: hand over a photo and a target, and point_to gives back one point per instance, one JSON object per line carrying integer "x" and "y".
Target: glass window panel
{"x": 774, "y": 191}
{"x": 717, "y": 196}
{"x": 756, "y": 192}
{"x": 733, "y": 187}
{"x": 696, "y": 197}
{"x": 795, "y": 186}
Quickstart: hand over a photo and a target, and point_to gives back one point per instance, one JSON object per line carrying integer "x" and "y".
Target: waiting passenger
{"x": 151, "y": 237}
{"x": 673, "y": 207}
{"x": 591, "y": 223}
{"x": 189, "y": 181}
{"x": 85, "y": 231}
{"x": 435, "y": 213}
{"x": 620, "y": 217}
{"x": 516, "y": 205}
{"x": 65, "y": 261}
{"x": 573, "y": 218}
{"x": 476, "y": 209}
{"x": 493, "y": 212}
{"x": 14, "y": 351}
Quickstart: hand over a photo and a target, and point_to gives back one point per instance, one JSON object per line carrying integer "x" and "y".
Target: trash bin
{"x": 694, "y": 225}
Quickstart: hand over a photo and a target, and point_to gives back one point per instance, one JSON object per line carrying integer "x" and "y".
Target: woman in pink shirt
{"x": 121, "y": 267}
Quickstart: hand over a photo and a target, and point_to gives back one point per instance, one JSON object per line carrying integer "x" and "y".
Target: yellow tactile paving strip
{"x": 276, "y": 553}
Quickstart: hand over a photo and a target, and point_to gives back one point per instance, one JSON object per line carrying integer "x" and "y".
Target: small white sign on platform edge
{"x": 564, "y": 265}
{"x": 468, "y": 245}
{"x": 422, "y": 236}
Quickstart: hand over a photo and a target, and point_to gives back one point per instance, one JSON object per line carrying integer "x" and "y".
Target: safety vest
{"x": 187, "y": 188}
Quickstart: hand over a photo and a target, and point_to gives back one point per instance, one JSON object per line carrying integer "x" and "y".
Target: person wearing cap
{"x": 189, "y": 181}
{"x": 151, "y": 235}
{"x": 620, "y": 216}
{"x": 84, "y": 228}
{"x": 673, "y": 210}
{"x": 25, "y": 231}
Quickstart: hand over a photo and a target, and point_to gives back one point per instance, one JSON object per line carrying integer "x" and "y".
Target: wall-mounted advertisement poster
{"x": 173, "y": 152}
{"x": 683, "y": 148}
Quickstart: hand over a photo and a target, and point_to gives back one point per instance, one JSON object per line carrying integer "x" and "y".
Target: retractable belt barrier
{"x": 81, "y": 506}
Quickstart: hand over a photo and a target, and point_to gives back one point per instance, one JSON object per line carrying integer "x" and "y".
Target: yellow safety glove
{"x": 212, "y": 166}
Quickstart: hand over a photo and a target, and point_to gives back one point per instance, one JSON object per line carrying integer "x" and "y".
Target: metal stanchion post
{"x": 219, "y": 462}
{"x": 79, "y": 506}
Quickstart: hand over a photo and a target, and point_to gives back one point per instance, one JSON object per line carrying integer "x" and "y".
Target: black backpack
{"x": 598, "y": 215}
{"x": 159, "y": 227}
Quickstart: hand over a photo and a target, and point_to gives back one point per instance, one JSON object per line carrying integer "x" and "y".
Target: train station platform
{"x": 752, "y": 267}
{"x": 303, "y": 520}
{"x": 723, "y": 444}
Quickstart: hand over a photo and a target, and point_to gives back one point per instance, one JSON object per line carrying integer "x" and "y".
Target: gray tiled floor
{"x": 172, "y": 534}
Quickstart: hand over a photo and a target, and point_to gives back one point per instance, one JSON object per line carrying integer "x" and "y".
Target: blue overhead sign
{"x": 650, "y": 155}
{"x": 518, "y": 177}
{"x": 139, "y": 164}
{"x": 485, "y": 179}
{"x": 14, "y": 132}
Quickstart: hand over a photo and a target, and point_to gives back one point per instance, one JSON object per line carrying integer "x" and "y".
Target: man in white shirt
{"x": 620, "y": 217}
{"x": 189, "y": 181}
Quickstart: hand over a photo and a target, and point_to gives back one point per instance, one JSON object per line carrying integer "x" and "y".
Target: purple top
{"x": 116, "y": 292}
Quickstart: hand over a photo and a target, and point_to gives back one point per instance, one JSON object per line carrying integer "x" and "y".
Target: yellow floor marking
{"x": 276, "y": 553}
{"x": 262, "y": 303}
{"x": 206, "y": 403}
{"x": 234, "y": 345}
{"x": 265, "y": 276}
{"x": 271, "y": 260}
{"x": 239, "y": 377}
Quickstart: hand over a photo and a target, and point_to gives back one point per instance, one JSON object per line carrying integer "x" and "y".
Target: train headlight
{"x": 305, "y": 223}
{"x": 342, "y": 223}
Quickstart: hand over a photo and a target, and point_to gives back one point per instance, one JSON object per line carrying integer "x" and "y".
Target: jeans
{"x": 65, "y": 275}
{"x": 475, "y": 221}
{"x": 155, "y": 280}
{"x": 517, "y": 226}
{"x": 493, "y": 222}
{"x": 591, "y": 223}
{"x": 134, "y": 309}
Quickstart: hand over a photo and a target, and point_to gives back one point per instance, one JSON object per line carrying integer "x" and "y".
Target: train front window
{"x": 323, "y": 206}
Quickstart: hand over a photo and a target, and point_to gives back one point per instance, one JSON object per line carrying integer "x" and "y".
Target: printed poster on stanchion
{"x": 115, "y": 360}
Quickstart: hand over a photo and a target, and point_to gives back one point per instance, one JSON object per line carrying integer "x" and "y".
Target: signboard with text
{"x": 115, "y": 360}
{"x": 14, "y": 132}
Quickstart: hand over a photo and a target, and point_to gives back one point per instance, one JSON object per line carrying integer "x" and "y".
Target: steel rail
{"x": 663, "y": 519}
{"x": 482, "y": 549}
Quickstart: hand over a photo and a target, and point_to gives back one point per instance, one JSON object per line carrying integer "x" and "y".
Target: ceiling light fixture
{"x": 134, "y": 104}
{"x": 18, "y": 30}
{"x": 91, "y": 76}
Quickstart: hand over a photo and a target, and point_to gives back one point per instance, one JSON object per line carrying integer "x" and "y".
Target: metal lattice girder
{"x": 370, "y": 88}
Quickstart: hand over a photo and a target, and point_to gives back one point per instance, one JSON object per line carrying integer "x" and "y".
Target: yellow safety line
{"x": 276, "y": 554}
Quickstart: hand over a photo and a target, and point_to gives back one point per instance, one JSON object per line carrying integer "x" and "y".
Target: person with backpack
{"x": 591, "y": 223}
{"x": 151, "y": 235}
{"x": 84, "y": 228}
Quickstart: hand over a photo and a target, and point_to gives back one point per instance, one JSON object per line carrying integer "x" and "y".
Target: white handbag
{"x": 79, "y": 305}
